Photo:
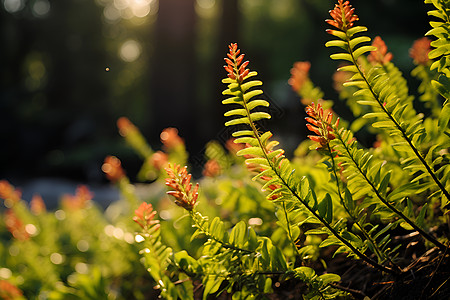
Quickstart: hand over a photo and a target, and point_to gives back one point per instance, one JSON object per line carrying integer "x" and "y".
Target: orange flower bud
{"x": 144, "y": 216}
{"x": 159, "y": 159}
{"x": 322, "y": 125}
{"x": 419, "y": 51}
{"x": 299, "y": 75}
{"x": 125, "y": 126}
{"x": 170, "y": 138}
{"x": 380, "y": 56}
{"x": 112, "y": 167}
{"x": 179, "y": 180}
{"x": 37, "y": 205}
{"x": 343, "y": 16}
{"x": 9, "y": 193}
{"x": 212, "y": 168}
{"x": 8, "y": 291}
{"x": 235, "y": 69}
{"x": 15, "y": 226}
{"x": 79, "y": 200}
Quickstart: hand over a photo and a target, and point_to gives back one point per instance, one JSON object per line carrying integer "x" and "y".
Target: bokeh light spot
{"x": 130, "y": 51}
{"x": 82, "y": 268}
{"x": 41, "y": 8}
{"x": 5, "y": 273}
{"x": 31, "y": 229}
{"x": 83, "y": 245}
{"x": 111, "y": 13}
{"x": 60, "y": 214}
{"x": 56, "y": 258}
{"x": 139, "y": 238}
{"x": 206, "y": 4}
{"x": 255, "y": 221}
{"x": 13, "y": 6}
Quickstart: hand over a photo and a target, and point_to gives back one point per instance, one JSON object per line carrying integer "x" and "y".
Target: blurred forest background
{"x": 69, "y": 69}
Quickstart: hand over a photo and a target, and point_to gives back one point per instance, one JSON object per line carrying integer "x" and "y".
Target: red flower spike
{"x": 320, "y": 125}
{"x": 419, "y": 51}
{"x": 379, "y": 56}
{"x": 179, "y": 180}
{"x": 144, "y": 216}
{"x": 236, "y": 70}
{"x": 343, "y": 16}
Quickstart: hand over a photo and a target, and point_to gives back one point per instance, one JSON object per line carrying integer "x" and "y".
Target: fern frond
{"x": 392, "y": 113}
{"x": 441, "y": 30}
{"x": 288, "y": 192}
{"x": 325, "y": 129}
{"x": 157, "y": 254}
{"x": 366, "y": 178}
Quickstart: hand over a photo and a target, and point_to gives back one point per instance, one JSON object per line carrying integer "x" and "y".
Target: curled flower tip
{"x": 112, "y": 167}
{"x": 235, "y": 68}
{"x": 299, "y": 75}
{"x": 170, "y": 138}
{"x": 320, "y": 123}
{"x": 144, "y": 216}
{"x": 419, "y": 51}
{"x": 9, "y": 193}
{"x": 343, "y": 16}
{"x": 125, "y": 126}
{"x": 180, "y": 181}
{"x": 379, "y": 56}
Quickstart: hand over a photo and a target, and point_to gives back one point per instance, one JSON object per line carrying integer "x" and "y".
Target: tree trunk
{"x": 173, "y": 69}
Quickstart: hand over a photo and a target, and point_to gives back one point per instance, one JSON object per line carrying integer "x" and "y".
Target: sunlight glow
{"x": 128, "y": 9}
